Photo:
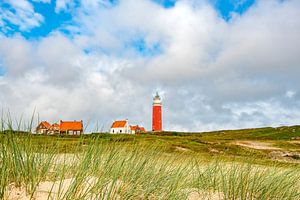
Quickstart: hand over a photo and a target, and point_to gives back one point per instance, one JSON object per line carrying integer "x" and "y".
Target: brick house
{"x": 43, "y": 127}
{"x": 64, "y": 127}
{"x": 54, "y": 129}
{"x": 71, "y": 127}
{"x": 137, "y": 129}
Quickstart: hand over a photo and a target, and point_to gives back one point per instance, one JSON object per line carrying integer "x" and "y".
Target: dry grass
{"x": 217, "y": 165}
{"x": 112, "y": 170}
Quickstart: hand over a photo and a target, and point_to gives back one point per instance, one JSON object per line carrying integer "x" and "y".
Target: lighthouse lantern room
{"x": 156, "y": 113}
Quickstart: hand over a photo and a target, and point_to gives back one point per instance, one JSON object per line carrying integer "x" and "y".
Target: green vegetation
{"x": 242, "y": 164}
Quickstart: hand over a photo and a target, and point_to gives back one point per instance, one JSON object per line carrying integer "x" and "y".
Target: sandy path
{"x": 205, "y": 196}
{"x": 295, "y": 142}
{"x": 256, "y": 145}
{"x": 57, "y": 188}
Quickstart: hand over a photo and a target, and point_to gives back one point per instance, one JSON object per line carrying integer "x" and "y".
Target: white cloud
{"x": 63, "y": 5}
{"x": 214, "y": 74}
{"x": 16, "y": 54}
{"x": 42, "y": 1}
{"x": 290, "y": 94}
{"x": 20, "y": 13}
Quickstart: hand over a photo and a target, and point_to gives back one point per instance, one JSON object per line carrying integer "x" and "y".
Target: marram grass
{"x": 112, "y": 170}
{"x": 121, "y": 167}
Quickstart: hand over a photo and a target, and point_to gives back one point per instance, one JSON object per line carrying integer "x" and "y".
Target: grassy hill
{"x": 260, "y": 163}
{"x": 257, "y": 144}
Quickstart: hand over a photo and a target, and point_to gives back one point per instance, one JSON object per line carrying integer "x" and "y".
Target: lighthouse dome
{"x": 156, "y": 99}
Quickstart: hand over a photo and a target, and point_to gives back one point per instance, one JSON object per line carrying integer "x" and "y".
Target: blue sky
{"x": 53, "y": 20}
{"x": 217, "y": 64}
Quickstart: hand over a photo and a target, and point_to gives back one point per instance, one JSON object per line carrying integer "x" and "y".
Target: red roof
{"x": 71, "y": 125}
{"x": 137, "y": 128}
{"x": 119, "y": 124}
{"x": 54, "y": 126}
{"x": 46, "y": 124}
{"x": 134, "y": 128}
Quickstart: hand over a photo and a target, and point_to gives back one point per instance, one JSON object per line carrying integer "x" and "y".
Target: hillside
{"x": 261, "y": 145}
{"x": 241, "y": 164}
{"x": 280, "y": 144}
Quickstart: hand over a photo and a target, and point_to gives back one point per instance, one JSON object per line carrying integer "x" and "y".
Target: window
{"x": 113, "y": 131}
{"x": 120, "y": 131}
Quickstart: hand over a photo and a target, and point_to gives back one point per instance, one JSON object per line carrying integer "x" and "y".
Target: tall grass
{"x": 247, "y": 181}
{"x": 118, "y": 170}
{"x": 113, "y": 170}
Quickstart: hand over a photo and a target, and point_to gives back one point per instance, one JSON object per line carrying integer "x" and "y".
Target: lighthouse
{"x": 156, "y": 114}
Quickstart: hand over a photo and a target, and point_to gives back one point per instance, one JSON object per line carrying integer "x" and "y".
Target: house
{"x": 71, "y": 127}
{"x": 43, "y": 127}
{"x": 64, "y": 127}
{"x": 142, "y": 130}
{"x": 54, "y": 129}
{"x": 137, "y": 129}
{"x": 121, "y": 127}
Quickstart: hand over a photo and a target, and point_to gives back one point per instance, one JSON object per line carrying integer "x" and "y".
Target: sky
{"x": 218, "y": 64}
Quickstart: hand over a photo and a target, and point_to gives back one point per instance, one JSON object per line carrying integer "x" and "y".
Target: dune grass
{"x": 118, "y": 168}
{"x": 166, "y": 165}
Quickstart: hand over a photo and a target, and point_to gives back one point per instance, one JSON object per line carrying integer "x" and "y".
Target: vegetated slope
{"x": 266, "y": 133}
{"x": 259, "y": 144}
{"x": 133, "y": 167}
{"x": 280, "y": 144}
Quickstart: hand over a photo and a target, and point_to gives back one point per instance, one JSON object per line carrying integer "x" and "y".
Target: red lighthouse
{"x": 156, "y": 114}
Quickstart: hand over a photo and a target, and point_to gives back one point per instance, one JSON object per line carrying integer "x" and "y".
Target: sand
{"x": 256, "y": 145}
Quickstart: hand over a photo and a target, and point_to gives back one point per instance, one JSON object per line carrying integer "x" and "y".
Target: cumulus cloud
{"x": 212, "y": 73}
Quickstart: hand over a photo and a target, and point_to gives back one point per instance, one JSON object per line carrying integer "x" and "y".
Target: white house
{"x": 123, "y": 127}
{"x": 120, "y": 127}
